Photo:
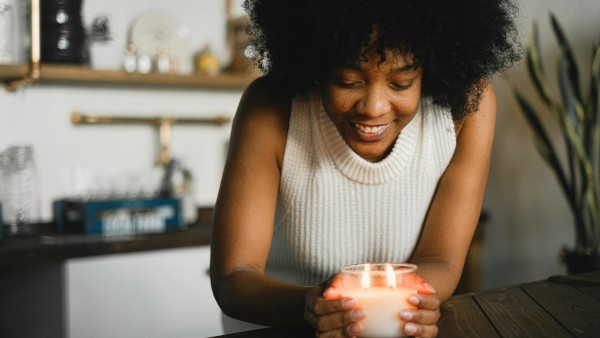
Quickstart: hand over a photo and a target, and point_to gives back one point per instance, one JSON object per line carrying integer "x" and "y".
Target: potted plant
{"x": 578, "y": 119}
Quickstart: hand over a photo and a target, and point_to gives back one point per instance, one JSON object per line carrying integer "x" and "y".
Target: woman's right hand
{"x": 330, "y": 314}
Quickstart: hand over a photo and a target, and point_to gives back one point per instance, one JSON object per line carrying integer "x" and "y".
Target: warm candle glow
{"x": 366, "y": 279}
{"x": 391, "y": 278}
{"x": 375, "y": 289}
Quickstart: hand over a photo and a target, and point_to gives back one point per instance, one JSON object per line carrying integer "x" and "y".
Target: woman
{"x": 368, "y": 139}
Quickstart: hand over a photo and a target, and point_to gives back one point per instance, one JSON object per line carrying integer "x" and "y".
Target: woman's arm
{"x": 452, "y": 218}
{"x": 245, "y": 212}
{"x": 243, "y": 226}
{"x": 456, "y": 206}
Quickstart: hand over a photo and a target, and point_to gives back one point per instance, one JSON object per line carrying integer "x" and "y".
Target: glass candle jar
{"x": 381, "y": 291}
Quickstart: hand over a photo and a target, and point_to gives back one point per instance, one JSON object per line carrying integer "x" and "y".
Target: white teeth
{"x": 369, "y": 129}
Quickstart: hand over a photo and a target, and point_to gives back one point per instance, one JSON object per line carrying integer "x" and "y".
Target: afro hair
{"x": 457, "y": 43}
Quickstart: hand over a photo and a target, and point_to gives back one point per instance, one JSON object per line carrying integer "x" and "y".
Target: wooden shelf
{"x": 71, "y": 74}
{"x": 11, "y": 72}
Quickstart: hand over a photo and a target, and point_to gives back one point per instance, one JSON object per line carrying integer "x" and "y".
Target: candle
{"x": 381, "y": 292}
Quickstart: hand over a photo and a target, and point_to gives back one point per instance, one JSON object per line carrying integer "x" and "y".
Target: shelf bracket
{"x": 164, "y": 124}
{"x": 34, "y": 67}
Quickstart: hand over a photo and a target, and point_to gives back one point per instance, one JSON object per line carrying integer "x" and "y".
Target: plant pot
{"x": 580, "y": 262}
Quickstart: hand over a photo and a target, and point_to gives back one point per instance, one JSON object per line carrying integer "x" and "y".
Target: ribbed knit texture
{"x": 335, "y": 208}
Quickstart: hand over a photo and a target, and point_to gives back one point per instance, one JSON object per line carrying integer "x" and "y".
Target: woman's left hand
{"x": 422, "y": 321}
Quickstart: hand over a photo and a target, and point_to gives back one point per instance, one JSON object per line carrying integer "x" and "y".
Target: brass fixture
{"x": 164, "y": 124}
{"x": 34, "y": 67}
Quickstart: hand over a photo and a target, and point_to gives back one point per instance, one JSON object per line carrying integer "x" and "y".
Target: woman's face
{"x": 370, "y": 102}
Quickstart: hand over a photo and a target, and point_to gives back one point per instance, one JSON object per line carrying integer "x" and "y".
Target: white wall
{"x": 529, "y": 218}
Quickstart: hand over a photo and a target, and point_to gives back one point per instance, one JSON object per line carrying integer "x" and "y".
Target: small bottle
{"x": 130, "y": 59}
{"x": 163, "y": 62}
{"x": 144, "y": 62}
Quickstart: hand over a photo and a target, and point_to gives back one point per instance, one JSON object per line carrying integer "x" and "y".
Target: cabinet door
{"x": 157, "y": 294}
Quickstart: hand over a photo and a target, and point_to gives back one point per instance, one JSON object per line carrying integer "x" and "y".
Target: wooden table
{"x": 562, "y": 306}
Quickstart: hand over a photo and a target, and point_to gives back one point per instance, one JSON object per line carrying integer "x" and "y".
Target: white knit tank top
{"x": 335, "y": 208}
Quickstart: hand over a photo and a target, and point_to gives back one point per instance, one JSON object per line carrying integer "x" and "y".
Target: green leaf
{"x": 579, "y": 121}
{"x": 543, "y": 143}
{"x": 592, "y": 124}
{"x": 566, "y": 91}
{"x": 570, "y": 59}
{"x": 571, "y": 102}
{"x": 535, "y": 67}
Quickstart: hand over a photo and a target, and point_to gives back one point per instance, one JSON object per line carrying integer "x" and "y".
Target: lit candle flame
{"x": 391, "y": 278}
{"x": 366, "y": 281}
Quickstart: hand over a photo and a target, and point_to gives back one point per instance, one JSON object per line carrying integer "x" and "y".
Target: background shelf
{"x": 70, "y": 74}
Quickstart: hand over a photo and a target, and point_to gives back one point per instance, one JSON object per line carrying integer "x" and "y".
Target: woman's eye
{"x": 349, "y": 83}
{"x": 400, "y": 86}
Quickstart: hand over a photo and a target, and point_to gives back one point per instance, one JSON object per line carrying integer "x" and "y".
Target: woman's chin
{"x": 371, "y": 153}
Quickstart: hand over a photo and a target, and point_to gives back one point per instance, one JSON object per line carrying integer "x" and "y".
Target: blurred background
{"x": 166, "y": 292}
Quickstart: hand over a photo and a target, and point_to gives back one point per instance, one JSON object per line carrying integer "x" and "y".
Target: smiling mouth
{"x": 370, "y": 129}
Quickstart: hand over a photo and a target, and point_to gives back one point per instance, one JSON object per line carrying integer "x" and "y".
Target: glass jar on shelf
{"x": 19, "y": 189}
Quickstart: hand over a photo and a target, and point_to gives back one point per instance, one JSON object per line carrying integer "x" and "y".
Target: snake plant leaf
{"x": 543, "y": 143}
{"x": 591, "y": 110}
{"x": 566, "y": 48}
{"x": 571, "y": 101}
{"x": 536, "y": 68}
{"x": 575, "y": 149}
{"x": 578, "y": 119}
{"x": 594, "y": 97}
{"x": 543, "y": 89}
{"x": 570, "y": 104}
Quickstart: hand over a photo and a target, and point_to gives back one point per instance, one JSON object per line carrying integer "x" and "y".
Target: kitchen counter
{"x": 49, "y": 247}
{"x": 46, "y": 280}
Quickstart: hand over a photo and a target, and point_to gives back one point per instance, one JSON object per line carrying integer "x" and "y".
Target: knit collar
{"x": 357, "y": 168}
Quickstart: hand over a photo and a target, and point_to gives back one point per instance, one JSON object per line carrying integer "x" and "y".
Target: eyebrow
{"x": 410, "y": 66}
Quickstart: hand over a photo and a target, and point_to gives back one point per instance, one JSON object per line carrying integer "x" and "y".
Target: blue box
{"x": 118, "y": 217}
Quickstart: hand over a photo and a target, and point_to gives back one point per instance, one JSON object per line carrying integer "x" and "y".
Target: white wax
{"x": 382, "y": 307}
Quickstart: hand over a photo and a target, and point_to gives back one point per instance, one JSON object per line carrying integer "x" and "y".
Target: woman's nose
{"x": 373, "y": 103}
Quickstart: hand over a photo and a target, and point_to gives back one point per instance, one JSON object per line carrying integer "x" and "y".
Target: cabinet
{"x": 154, "y": 285}
{"x": 162, "y": 293}
{"x": 169, "y": 295}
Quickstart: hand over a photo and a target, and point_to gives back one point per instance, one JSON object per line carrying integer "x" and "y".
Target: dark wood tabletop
{"x": 561, "y": 306}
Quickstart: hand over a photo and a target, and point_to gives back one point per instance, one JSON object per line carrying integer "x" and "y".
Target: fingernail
{"x": 327, "y": 292}
{"x": 355, "y": 329}
{"x": 414, "y": 300}
{"x": 406, "y": 315}
{"x": 410, "y": 329}
{"x": 348, "y": 303}
{"x": 429, "y": 288}
{"x": 357, "y": 314}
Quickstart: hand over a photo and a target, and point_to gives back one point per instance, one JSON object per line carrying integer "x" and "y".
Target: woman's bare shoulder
{"x": 262, "y": 97}
{"x": 263, "y": 117}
